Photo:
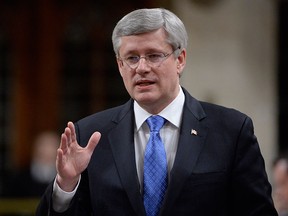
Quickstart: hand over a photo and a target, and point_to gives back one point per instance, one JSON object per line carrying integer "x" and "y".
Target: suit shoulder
{"x": 102, "y": 117}
{"x": 102, "y": 121}
{"x": 224, "y": 114}
{"x": 228, "y": 120}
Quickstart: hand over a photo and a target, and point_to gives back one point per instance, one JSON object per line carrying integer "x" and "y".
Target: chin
{"x": 145, "y": 102}
{"x": 145, "y": 98}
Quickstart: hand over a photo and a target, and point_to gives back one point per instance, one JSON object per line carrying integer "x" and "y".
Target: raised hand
{"x": 73, "y": 159}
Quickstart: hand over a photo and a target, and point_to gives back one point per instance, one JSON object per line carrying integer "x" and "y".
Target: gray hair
{"x": 148, "y": 20}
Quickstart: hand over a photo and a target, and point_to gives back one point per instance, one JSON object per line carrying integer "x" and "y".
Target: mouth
{"x": 144, "y": 83}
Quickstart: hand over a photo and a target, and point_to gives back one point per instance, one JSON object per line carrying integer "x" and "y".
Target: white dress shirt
{"x": 169, "y": 134}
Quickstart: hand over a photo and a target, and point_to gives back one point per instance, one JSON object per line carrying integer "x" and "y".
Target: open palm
{"x": 72, "y": 159}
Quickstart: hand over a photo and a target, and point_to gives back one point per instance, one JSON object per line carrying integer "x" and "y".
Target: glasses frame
{"x": 134, "y": 66}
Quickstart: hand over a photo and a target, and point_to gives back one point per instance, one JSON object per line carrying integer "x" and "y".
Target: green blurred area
{"x": 18, "y": 207}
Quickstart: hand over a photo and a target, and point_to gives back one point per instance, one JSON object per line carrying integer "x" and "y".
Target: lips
{"x": 144, "y": 82}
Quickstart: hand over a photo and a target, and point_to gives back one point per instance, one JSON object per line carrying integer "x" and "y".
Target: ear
{"x": 181, "y": 61}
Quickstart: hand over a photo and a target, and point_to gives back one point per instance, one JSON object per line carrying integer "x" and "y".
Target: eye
{"x": 132, "y": 59}
{"x": 155, "y": 57}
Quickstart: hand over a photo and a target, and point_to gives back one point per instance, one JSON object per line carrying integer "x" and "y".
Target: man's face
{"x": 153, "y": 87}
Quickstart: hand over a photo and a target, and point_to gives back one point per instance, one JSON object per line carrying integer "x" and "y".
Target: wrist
{"x": 67, "y": 185}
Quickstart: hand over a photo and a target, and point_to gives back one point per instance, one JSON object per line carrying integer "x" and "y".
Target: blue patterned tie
{"x": 155, "y": 168}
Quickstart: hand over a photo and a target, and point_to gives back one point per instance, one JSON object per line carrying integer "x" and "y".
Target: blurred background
{"x": 57, "y": 65}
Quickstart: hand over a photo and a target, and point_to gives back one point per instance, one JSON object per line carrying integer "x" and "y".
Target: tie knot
{"x": 155, "y": 123}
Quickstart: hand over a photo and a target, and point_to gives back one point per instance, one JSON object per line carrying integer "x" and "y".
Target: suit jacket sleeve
{"x": 79, "y": 206}
{"x": 251, "y": 191}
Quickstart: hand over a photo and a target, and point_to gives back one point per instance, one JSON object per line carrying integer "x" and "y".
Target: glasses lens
{"x": 131, "y": 60}
{"x": 153, "y": 59}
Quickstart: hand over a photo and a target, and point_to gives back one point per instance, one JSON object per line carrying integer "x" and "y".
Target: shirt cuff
{"x": 60, "y": 198}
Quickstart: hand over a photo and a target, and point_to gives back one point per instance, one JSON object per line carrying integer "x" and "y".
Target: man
{"x": 280, "y": 189}
{"x": 212, "y": 165}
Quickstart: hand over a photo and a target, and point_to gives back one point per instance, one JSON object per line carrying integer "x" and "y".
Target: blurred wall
{"x": 54, "y": 46}
{"x": 231, "y": 60}
{"x": 59, "y": 66}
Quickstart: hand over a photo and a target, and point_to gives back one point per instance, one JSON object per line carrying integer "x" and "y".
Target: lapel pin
{"x": 194, "y": 132}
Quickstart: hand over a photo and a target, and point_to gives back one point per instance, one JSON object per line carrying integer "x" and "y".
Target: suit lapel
{"x": 122, "y": 144}
{"x": 191, "y": 141}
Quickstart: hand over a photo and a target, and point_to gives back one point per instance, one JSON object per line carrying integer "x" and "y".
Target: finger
{"x": 72, "y": 129}
{"x": 63, "y": 142}
{"x": 67, "y": 133}
{"x": 59, "y": 160}
{"x": 93, "y": 141}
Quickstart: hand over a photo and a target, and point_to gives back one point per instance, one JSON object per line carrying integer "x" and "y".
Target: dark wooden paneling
{"x": 42, "y": 38}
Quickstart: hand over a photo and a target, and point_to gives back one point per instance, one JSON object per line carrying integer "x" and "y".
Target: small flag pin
{"x": 194, "y": 132}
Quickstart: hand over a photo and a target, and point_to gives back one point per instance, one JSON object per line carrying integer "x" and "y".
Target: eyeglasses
{"x": 153, "y": 59}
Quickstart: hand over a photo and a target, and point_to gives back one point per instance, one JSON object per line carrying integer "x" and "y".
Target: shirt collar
{"x": 173, "y": 112}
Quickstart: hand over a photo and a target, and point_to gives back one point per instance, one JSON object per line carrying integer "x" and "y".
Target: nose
{"x": 143, "y": 66}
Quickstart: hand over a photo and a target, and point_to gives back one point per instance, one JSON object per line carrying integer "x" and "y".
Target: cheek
{"x": 170, "y": 77}
{"x": 121, "y": 71}
{"x": 121, "y": 67}
{"x": 127, "y": 80}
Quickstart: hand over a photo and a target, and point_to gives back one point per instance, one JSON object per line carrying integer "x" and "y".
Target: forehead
{"x": 155, "y": 40}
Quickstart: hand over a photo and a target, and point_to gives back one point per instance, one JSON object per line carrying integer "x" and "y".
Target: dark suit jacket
{"x": 219, "y": 171}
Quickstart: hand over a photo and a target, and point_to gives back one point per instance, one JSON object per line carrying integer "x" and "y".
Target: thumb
{"x": 93, "y": 141}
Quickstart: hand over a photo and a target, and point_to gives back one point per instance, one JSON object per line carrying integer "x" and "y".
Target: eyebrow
{"x": 148, "y": 51}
